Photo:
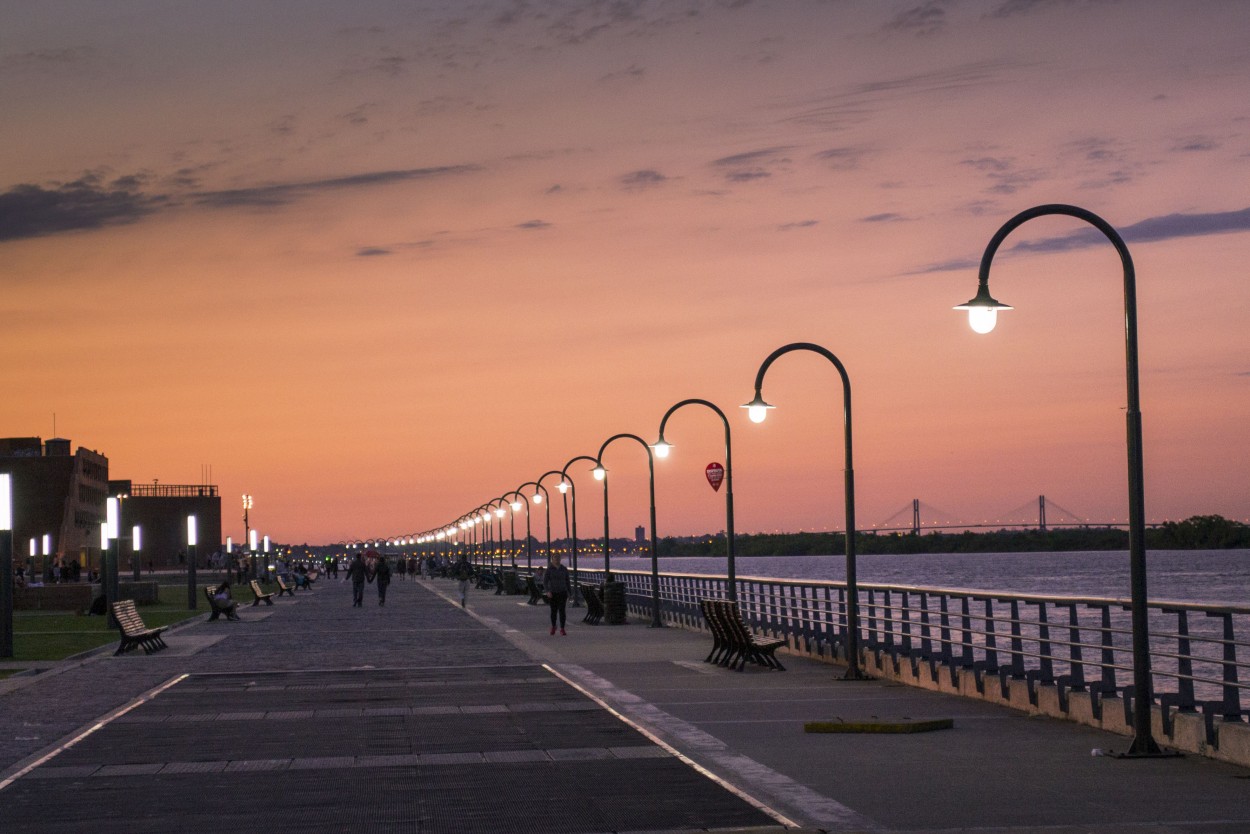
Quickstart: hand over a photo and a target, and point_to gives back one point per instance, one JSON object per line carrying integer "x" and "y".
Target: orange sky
{"x": 377, "y": 265}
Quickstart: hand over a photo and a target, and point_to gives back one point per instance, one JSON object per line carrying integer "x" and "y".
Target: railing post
{"x": 944, "y": 630}
{"x": 1017, "y": 642}
{"x": 926, "y": 642}
{"x": 965, "y": 626}
{"x": 991, "y": 638}
{"x": 1047, "y": 666}
{"x": 1076, "y": 663}
{"x": 1231, "y": 702}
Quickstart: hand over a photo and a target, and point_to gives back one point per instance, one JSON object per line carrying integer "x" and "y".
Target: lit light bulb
{"x": 516, "y": 506}
{"x": 661, "y": 449}
{"x": 982, "y": 319}
{"x": 499, "y": 512}
{"x": 563, "y": 486}
{"x": 600, "y": 473}
{"x": 538, "y": 498}
{"x": 757, "y": 413}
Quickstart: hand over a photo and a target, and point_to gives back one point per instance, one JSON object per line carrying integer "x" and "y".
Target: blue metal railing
{"x": 1077, "y": 644}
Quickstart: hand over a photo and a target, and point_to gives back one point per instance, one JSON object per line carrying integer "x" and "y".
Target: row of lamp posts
{"x": 983, "y": 310}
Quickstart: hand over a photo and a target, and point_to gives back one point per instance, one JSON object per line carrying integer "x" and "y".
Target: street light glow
{"x": 192, "y": 537}
{"x": 599, "y": 472}
{"x": 6, "y": 502}
{"x": 982, "y": 310}
{"x": 563, "y": 486}
{"x": 661, "y": 448}
{"x": 757, "y": 409}
{"x": 538, "y": 498}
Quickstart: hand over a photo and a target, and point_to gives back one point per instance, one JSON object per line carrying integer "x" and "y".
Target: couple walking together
{"x": 368, "y": 569}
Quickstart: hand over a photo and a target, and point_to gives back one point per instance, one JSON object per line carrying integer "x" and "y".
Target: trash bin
{"x": 614, "y": 612}
{"x": 509, "y": 583}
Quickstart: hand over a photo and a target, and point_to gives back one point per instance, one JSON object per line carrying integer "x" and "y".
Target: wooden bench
{"x": 134, "y": 632}
{"x": 733, "y": 643}
{"x": 594, "y": 604}
{"x": 534, "y": 590}
{"x": 216, "y": 607}
{"x": 260, "y": 595}
{"x": 283, "y": 588}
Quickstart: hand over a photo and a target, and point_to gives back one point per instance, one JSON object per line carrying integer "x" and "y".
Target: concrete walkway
{"x": 243, "y": 736}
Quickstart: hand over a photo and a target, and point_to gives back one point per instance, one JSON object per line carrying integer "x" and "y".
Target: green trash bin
{"x": 614, "y": 612}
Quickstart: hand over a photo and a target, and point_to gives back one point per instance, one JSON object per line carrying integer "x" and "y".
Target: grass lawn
{"x": 40, "y": 635}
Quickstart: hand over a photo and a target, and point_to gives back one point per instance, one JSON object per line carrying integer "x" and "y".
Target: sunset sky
{"x": 376, "y": 263}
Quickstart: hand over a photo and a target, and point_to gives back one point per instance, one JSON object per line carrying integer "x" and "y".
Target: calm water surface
{"x": 1187, "y": 575}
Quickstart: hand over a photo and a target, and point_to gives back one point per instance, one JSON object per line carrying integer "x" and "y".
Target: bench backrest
{"x": 256, "y": 589}
{"x": 281, "y": 584}
{"x": 128, "y": 618}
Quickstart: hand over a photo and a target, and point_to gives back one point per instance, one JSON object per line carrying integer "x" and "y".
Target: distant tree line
{"x": 1200, "y": 532}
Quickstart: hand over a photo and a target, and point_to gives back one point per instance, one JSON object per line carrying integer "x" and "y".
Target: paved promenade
{"x": 421, "y": 716}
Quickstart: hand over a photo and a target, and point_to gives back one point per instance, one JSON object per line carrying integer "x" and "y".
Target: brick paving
{"x": 412, "y": 717}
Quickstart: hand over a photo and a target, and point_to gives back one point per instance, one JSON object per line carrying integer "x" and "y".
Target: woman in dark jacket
{"x": 556, "y": 585}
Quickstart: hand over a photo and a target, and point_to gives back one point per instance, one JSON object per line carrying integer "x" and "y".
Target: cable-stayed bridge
{"x": 1040, "y": 513}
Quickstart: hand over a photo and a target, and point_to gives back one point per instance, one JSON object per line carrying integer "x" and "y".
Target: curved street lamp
{"x": 516, "y": 508}
{"x": 982, "y": 315}
{"x": 601, "y": 474}
{"x": 569, "y": 492}
{"x": 541, "y": 496}
{"x": 757, "y": 410}
{"x": 662, "y": 448}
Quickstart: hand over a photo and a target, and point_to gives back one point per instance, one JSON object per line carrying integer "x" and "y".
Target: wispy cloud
{"x": 884, "y": 217}
{"x": 753, "y": 165}
{"x": 534, "y": 224}
{"x": 1152, "y": 229}
{"x": 928, "y": 18}
{"x": 798, "y": 224}
{"x": 646, "y": 178}
{"x": 1196, "y": 143}
{"x": 843, "y": 158}
{"x": 1164, "y": 227}
{"x": 280, "y": 194}
{"x": 372, "y": 252}
{"x": 1004, "y": 176}
{"x": 91, "y": 202}
{"x": 849, "y": 106}
{"x": 86, "y": 203}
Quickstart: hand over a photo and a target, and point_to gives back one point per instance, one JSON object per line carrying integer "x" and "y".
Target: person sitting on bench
{"x": 223, "y": 602}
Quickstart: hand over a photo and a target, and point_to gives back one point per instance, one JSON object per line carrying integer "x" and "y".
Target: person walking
{"x": 556, "y": 586}
{"x": 462, "y": 572}
{"x": 356, "y": 573}
{"x": 382, "y": 575}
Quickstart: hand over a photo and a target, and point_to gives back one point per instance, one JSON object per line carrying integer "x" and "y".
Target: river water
{"x": 1206, "y": 576}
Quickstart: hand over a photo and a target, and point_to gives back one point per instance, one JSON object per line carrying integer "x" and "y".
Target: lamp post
{"x": 251, "y": 549}
{"x": 529, "y": 542}
{"x": 602, "y": 475}
{"x": 757, "y": 410}
{"x": 6, "y": 565}
{"x": 662, "y": 448}
{"x": 192, "y": 541}
{"x": 136, "y": 545}
{"x": 541, "y": 496}
{"x": 982, "y": 315}
{"x": 248, "y": 536}
{"x": 570, "y": 508}
{"x": 112, "y": 515}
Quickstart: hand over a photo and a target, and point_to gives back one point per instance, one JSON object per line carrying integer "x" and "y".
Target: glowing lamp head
{"x": 563, "y": 486}
{"x": 599, "y": 472}
{"x": 537, "y": 497}
{"x": 661, "y": 448}
{"x": 983, "y": 310}
{"x": 516, "y": 506}
{"x": 757, "y": 409}
{"x": 499, "y": 512}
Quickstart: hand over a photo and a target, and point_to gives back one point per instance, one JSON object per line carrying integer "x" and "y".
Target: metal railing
{"x": 1076, "y": 644}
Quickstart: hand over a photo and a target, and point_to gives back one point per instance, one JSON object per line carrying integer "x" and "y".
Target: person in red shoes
{"x": 556, "y": 588}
